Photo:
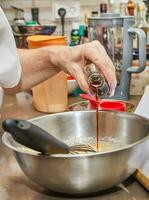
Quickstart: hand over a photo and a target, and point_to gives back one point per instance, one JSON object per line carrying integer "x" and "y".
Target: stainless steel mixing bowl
{"x": 85, "y": 173}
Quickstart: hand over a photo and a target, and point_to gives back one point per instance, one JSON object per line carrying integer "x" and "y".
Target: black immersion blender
{"x": 62, "y": 13}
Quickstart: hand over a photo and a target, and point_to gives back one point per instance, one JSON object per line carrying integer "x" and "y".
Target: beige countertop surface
{"x": 14, "y": 185}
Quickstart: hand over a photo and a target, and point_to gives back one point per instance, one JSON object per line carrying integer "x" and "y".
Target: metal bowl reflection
{"x": 85, "y": 173}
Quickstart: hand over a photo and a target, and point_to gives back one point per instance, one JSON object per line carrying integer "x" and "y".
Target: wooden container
{"x": 50, "y": 96}
{"x": 144, "y": 180}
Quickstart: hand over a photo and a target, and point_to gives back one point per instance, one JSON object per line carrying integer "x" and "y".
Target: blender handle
{"x": 142, "y": 50}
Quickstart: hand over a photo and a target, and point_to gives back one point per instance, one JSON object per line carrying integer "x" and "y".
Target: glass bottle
{"x": 103, "y": 8}
{"x": 75, "y": 34}
{"x": 123, "y": 9}
{"x": 142, "y": 23}
{"x": 147, "y": 11}
{"x": 131, "y": 7}
{"x": 96, "y": 80}
{"x": 86, "y": 38}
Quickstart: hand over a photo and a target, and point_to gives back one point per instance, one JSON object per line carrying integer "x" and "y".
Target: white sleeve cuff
{"x": 11, "y": 77}
{"x": 10, "y": 69}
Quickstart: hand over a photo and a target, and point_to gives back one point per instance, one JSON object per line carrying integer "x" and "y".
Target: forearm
{"x": 40, "y": 64}
{"x": 36, "y": 66}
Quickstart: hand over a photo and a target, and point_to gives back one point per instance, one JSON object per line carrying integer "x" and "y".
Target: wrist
{"x": 45, "y": 56}
{"x": 58, "y": 56}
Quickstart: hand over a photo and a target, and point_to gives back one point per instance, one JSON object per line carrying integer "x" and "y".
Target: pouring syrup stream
{"x": 97, "y": 124}
{"x": 100, "y": 87}
{"x": 96, "y": 86}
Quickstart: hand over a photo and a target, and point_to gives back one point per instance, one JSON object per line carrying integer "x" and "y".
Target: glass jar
{"x": 96, "y": 80}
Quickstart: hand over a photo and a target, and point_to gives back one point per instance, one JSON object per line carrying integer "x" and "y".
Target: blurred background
{"x": 45, "y": 12}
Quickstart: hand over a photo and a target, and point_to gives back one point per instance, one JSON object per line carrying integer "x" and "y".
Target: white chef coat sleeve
{"x": 10, "y": 69}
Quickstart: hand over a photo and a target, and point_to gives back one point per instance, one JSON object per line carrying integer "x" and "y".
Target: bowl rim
{"x": 38, "y": 154}
{"x": 87, "y": 101}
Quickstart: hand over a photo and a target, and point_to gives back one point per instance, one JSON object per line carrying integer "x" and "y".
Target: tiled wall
{"x": 45, "y": 10}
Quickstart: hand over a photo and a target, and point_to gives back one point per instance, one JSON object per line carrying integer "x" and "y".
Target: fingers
{"x": 73, "y": 61}
{"x": 77, "y": 72}
{"x": 95, "y": 53}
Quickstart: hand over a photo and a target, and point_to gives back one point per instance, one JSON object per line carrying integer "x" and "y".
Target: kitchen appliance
{"x": 62, "y": 13}
{"x": 85, "y": 173}
{"x": 116, "y": 34}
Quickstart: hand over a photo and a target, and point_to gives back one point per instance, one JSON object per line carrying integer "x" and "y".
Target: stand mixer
{"x": 116, "y": 34}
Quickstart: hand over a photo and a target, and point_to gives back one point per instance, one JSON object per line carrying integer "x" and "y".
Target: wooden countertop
{"x": 14, "y": 185}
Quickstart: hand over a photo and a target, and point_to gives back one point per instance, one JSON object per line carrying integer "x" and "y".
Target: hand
{"x": 40, "y": 64}
{"x": 73, "y": 60}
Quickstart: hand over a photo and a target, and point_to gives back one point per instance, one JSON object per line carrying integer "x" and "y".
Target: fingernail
{"x": 112, "y": 89}
{"x": 112, "y": 93}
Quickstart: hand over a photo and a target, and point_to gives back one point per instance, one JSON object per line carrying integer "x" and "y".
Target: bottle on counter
{"x": 85, "y": 38}
{"x": 114, "y": 7}
{"x": 75, "y": 34}
{"x": 142, "y": 23}
{"x": 147, "y": 11}
{"x": 35, "y": 15}
{"x": 103, "y": 7}
{"x": 81, "y": 34}
{"x": 51, "y": 96}
{"x": 131, "y": 7}
{"x": 123, "y": 9}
